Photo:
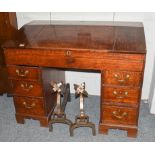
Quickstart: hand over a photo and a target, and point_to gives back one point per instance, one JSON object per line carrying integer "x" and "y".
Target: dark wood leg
{"x": 20, "y": 119}
{"x": 44, "y": 122}
{"x": 103, "y": 130}
{"x": 132, "y": 133}
{"x": 1, "y": 94}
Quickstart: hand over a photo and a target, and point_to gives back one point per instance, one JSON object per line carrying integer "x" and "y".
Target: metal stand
{"x": 59, "y": 115}
{"x": 81, "y": 120}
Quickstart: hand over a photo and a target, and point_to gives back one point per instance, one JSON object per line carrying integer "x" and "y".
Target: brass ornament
{"x": 29, "y": 106}
{"x": 22, "y": 73}
{"x": 26, "y": 86}
{"x": 118, "y": 114}
{"x": 122, "y": 81}
{"x": 120, "y": 95}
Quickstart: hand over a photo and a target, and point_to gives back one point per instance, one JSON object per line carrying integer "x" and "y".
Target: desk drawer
{"x": 121, "y": 94}
{"x": 30, "y": 106}
{"x": 21, "y": 72}
{"x": 26, "y": 88}
{"x": 123, "y": 78}
{"x": 119, "y": 115}
{"x": 78, "y": 59}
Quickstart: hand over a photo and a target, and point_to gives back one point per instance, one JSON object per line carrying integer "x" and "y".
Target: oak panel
{"x": 85, "y": 60}
{"x": 29, "y": 106}
{"x": 121, "y": 94}
{"x": 119, "y": 115}
{"x": 26, "y": 88}
{"x": 24, "y": 73}
{"x": 122, "y": 78}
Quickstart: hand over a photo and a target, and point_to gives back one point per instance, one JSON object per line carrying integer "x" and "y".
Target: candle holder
{"x": 59, "y": 116}
{"x": 82, "y": 120}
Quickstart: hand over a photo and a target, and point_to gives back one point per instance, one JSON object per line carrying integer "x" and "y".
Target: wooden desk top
{"x": 118, "y": 37}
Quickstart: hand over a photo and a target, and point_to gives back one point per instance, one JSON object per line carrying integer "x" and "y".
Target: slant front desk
{"x": 116, "y": 50}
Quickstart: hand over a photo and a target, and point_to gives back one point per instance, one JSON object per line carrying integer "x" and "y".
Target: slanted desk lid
{"x": 103, "y": 36}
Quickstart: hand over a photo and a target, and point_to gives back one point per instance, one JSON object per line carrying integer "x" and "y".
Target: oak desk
{"x": 116, "y": 50}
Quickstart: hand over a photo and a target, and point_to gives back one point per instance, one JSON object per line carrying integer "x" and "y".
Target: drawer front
{"x": 81, "y": 59}
{"x": 30, "y": 106}
{"x": 123, "y": 78}
{"x": 121, "y": 94}
{"x": 119, "y": 115}
{"x": 26, "y": 88}
{"x": 20, "y": 72}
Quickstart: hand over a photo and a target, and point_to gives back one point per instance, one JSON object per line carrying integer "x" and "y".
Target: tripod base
{"x": 82, "y": 121}
{"x": 61, "y": 118}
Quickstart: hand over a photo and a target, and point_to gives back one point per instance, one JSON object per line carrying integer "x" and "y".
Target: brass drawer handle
{"x": 120, "y": 95}
{"x": 26, "y": 87}
{"x": 68, "y": 53}
{"x": 126, "y": 78}
{"x": 119, "y": 115}
{"x": 28, "y": 106}
{"x": 22, "y": 73}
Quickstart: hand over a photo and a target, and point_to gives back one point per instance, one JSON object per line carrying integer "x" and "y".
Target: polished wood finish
{"x": 26, "y": 88}
{"x": 29, "y": 106}
{"x": 131, "y": 130}
{"x": 123, "y": 78}
{"x": 118, "y": 37}
{"x": 51, "y": 58}
{"x": 8, "y": 30}
{"x": 32, "y": 93}
{"x": 3, "y": 79}
{"x": 22, "y": 72}
{"x": 120, "y": 94}
{"x": 119, "y": 115}
{"x": 117, "y": 50}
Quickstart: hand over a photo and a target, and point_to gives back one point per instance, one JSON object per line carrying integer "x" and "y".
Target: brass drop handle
{"x": 120, "y": 95}
{"x": 22, "y": 73}
{"x": 28, "y": 106}
{"x": 119, "y": 115}
{"x": 122, "y": 80}
{"x": 68, "y": 53}
{"x": 26, "y": 87}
